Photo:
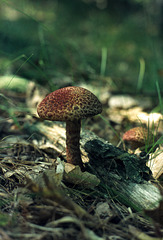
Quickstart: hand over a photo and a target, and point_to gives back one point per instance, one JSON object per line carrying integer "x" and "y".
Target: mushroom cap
{"x": 69, "y": 104}
{"x": 138, "y": 137}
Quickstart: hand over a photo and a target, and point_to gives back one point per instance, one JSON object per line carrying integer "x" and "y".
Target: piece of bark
{"x": 123, "y": 176}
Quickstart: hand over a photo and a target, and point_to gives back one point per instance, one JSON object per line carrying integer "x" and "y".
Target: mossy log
{"x": 123, "y": 176}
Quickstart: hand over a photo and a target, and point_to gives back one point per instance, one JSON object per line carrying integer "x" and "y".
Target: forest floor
{"x": 32, "y": 206}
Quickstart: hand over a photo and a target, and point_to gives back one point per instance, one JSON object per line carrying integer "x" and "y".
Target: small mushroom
{"x": 137, "y": 137}
{"x": 70, "y": 104}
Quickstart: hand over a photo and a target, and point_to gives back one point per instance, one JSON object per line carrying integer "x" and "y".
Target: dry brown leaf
{"x": 73, "y": 174}
{"x": 138, "y": 116}
{"x": 155, "y": 164}
{"x": 122, "y": 101}
{"x": 54, "y": 175}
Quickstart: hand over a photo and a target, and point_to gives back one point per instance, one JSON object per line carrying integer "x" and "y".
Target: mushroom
{"x": 70, "y": 104}
{"x": 137, "y": 137}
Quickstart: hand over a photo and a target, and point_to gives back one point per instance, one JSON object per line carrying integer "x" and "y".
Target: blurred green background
{"x": 113, "y": 43}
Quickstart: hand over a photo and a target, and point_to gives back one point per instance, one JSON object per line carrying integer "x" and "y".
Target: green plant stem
{"x": 141, "y": 74}
{"x": 103, "y": 61}
{"x": 159, "y": 96}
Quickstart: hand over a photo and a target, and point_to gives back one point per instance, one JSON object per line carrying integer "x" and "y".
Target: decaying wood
{"x": 123, "y": 176}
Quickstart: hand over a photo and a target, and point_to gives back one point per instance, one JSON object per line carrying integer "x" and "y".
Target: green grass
{"x": 141, "y": 74}
{"x": 62, "y": 38}
{"x": 159, "y": 97}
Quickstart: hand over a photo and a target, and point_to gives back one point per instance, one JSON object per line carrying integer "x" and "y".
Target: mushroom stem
{"x": 72, "y": 142}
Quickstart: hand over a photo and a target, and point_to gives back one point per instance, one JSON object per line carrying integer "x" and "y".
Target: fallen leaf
{"x": 73, "y": 174}
{"x": 155, "y": 164}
